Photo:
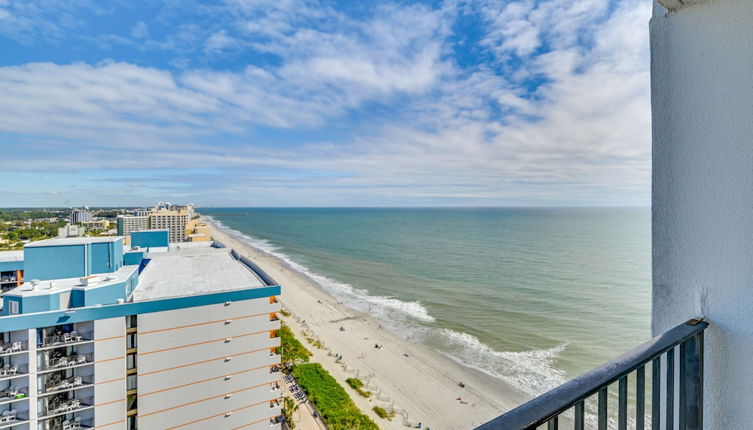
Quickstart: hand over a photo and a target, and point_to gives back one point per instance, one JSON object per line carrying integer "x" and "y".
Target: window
{"x": 131, "y": 361}
{"x": 132, "y": 422}
{"x": 131, "y": 340}
{"x": 132, "y": 382}
{"x": 131, "y": 402}
{"x": 131, "y": 319}
{"x": 13, "y": 308}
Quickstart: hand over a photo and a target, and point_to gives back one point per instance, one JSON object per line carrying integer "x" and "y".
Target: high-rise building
{"x": 129, "y": 223}
{"x": 80, "y": 215}
{"x": 173, "y": 221}
{"x": 101, "y": 338}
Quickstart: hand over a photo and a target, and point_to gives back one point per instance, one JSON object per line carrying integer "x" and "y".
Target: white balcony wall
{"x": 702, "y": 102}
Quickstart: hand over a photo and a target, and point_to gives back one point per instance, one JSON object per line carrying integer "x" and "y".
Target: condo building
{"x": 80, "y": 215}
{"x": 129, "y": 223}
{"x": 143, "y": 337}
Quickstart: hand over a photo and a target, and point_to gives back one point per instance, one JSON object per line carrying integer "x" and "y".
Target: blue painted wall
{"x": 11, "y": 266}
{"x": 133, "y": 258}
{"x": 54, "y": 262}
{"x": 150, "y": 238}
{"x": 105, "y": 257}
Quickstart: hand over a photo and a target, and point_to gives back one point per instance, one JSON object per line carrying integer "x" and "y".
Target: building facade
{"x": 80, "y": 215}
{"x": 129, "y": 223}
{"x": 110, "y": 339}
{"x": 173, "y": 221}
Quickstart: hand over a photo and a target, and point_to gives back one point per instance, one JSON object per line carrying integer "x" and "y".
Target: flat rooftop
{"x": 59, "y": 285}
{"x": 11, "y": 255}
{"x": 193, "y": 270}
{"x": 73, "y": 241}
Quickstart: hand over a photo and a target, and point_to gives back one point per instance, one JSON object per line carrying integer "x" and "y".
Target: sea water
{"x": 532, "y": 296}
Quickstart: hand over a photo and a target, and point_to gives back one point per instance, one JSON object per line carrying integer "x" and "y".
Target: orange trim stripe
{"x": 109, "y": 338}
{"x": 109, "y": 403}
{"x": 109, "y": 359}
{"x": 204, "y": 400}
{"x": 222, "y": 339}
{"x": 206, "y": 361}
{"x": 107, "y": 382}
{"x": 205, "y": 380}
{"x": 218, "y": 415}
{"x": 255, "y": 422}
{"x": 141, "y": 333}
{"x": 109, "y": 424}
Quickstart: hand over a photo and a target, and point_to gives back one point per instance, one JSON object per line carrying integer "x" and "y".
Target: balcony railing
{"x": 687, "y": 338}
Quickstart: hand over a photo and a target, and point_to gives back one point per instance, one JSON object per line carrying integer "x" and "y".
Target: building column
{"x": 702, "y": 103}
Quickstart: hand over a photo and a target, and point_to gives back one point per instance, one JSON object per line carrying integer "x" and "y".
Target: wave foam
{"x": 383, "y": 307}
{"x": 531, "y": 371}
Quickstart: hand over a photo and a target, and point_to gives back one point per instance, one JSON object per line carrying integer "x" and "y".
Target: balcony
{"x": 11, "y": 371}
{"x": 61, "y": 423}
{"x": 670, "y": 398}
{"x": 12, "y": 348}
{"x": 64, "y": 362}
{"x": 55, "y": 407}
{"x": 12, "y": 394}
{"x": 10, "y": 419}
{"x": 64, "y": 339}
{"x": 68, "y": 384}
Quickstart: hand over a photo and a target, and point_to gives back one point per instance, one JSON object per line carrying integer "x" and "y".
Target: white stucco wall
{"x": 702, "y": 100}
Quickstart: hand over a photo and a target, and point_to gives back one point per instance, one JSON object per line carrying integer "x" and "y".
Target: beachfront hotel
{"x": 149, "y": 336}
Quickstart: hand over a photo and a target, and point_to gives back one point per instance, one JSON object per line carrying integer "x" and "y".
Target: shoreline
{"x": 419, "y": 382}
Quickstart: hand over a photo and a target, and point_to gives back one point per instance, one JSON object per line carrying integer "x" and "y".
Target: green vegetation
{"x": 284, "y": 313}
{"x": 293, "y": 350}
{"x": 384, "y": 413}
{"x": 14, "y": 233}
{"x": 288, "y": 407}
{"x": 357, "y": 385}
{"x": 315, "y": 343}
{"x": 331, "y": 399}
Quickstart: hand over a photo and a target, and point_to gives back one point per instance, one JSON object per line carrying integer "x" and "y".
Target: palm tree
{"x": 288, "y": 407}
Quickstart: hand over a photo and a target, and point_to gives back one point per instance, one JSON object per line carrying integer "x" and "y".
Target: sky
{"x": 325, "y": 103}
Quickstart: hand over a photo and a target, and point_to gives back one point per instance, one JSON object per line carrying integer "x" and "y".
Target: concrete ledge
{"x": 677, "y": 4}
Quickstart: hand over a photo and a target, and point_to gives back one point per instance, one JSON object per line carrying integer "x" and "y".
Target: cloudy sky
{"x": 324, "y": 103}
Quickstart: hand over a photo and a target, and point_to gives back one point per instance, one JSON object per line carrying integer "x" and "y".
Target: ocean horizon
{"x": 531, "y": 296}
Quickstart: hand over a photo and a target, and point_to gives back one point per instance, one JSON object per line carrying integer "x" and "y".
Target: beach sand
{"x": 422, "y": 386}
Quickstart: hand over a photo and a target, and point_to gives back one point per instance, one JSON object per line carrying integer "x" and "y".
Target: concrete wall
{"x": 109, "y": 371}
{"x": 702, "y": 100}
{"x": 207, "y": 367}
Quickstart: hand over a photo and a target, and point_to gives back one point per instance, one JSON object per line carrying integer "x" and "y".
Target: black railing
{"x": 554, "y": 406}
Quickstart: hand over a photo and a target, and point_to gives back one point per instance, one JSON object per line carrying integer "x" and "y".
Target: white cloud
{"x": 449, "y": 132}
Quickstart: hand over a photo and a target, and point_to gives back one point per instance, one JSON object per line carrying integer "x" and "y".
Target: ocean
{"x": 532, "y": 296}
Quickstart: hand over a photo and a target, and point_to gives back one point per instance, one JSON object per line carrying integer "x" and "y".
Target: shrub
{"x": 384, "y": 413}
{"x": 331, "y": 399}
{"x": 357, "y": 385}
{"x": 293, "y": 351}
{"x": 284, "y": 313}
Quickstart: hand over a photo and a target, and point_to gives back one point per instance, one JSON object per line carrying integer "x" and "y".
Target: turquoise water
{"x": 530, "y": 296}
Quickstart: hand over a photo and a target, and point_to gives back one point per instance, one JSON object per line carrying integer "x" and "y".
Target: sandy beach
{"x": 421, "y": 384}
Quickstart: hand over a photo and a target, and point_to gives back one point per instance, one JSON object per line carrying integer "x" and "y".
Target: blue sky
{"x": 324, "y": 103}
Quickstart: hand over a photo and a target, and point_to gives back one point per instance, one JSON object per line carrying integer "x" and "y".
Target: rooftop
{"x": 73, "y": 241}
{"x": 60, "y": 285}
{"x": 188, "y": 270}
{"x": 11, "y": 256}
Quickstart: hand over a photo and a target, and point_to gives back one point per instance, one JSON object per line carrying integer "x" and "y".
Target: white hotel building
{"x": 111, "y": 339}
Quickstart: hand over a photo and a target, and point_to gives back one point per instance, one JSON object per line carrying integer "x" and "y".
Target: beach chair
{"x": 66, "y": 337}
{"x": 67, "y": 425}
{"x": 13, "y": 369}
{"x": 16, "y": 346}
{"x": 77, "y": 423}
{"x": 12, "y": 415}
{"x": 81, "y": 359}
{"x": 75, "y": 336}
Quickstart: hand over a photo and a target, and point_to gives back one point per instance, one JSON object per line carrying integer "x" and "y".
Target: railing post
{"x": 691, "y": 383}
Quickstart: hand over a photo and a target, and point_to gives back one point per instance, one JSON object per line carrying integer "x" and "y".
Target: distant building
{"x": 173, "y": 221}
{"x": 100, "y": 224}
{"x": 80, "y": 215}
{"x": 130, "y": 223}
{"x": 71, "y": 230}
{"x": 197, "y": 231}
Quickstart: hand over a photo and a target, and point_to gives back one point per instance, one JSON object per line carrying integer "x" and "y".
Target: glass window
{"x": 132, "y": 382}
{"x": 131, "y": 402}
{"x": 131, "y": 319}
{"x": 131, "y": 361}
{"x": 132, "y": 423}
{"x": 131, "y": 341}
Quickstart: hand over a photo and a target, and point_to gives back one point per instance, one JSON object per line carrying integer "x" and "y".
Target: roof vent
{"x": 89, "y": 280}
{"x": 34, "y": 282}
{"x": 51, "y": 285}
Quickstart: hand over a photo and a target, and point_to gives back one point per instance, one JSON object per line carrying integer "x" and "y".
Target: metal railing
{"x": 548, "y": 408}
